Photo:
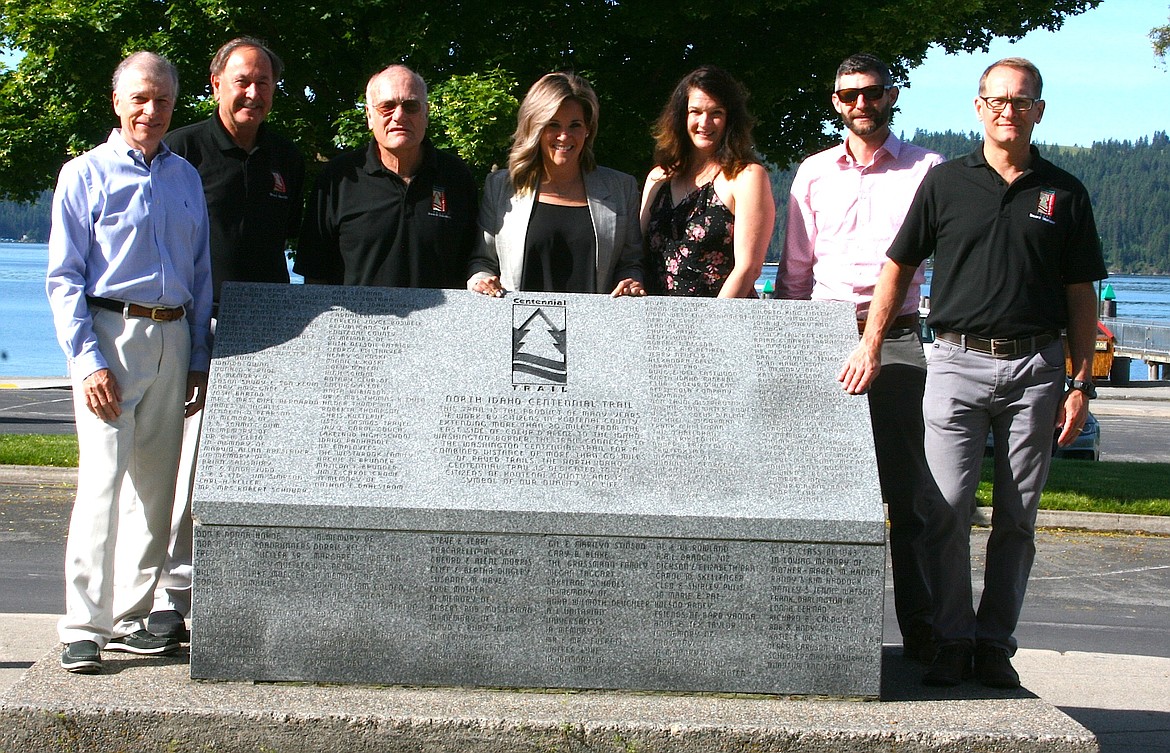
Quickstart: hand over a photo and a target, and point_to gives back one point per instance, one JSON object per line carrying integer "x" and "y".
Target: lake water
{"x": 28, "y": 346}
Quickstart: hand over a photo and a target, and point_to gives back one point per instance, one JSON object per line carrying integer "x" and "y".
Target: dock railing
{"x": 1147, "y": 341}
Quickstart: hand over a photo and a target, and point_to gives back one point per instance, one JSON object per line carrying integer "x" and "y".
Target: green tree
{"x": 56, "y": 102}
{"x": 1160, "y": 36}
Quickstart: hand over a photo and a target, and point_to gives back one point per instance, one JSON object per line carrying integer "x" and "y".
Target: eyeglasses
{"x": 409, "y": 106}
{"x": 872, "y": 93}
{"x": 1019, "y": 104}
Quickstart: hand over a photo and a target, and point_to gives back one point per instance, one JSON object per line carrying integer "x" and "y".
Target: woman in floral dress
{"x": 707, "y": 209}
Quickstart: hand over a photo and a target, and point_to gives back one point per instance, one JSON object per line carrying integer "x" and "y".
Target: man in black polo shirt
{"x": 253, "y": 180}
{"x": 252, "y": 177}
{"x": 1015, "y": 257}
{"x": 395, "y": 213}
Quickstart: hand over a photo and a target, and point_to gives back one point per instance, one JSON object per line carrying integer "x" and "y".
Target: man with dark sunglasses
{"x": 396, "y": 213}
{"x": 1016, "y": 254}
{"x": 845, "y": 207}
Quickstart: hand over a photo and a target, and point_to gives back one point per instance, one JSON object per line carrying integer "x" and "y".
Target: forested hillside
{"x": 25, "y": 221}
{"x": 1128, "y": 180}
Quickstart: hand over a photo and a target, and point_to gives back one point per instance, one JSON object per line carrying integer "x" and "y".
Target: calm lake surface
{"x": 28, "y": 346}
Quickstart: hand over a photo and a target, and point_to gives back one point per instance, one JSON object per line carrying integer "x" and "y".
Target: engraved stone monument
{"x": 439, "y": 488}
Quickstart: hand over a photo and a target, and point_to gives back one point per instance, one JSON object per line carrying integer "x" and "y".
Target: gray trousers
{"x": 968, "y": 394}
{"x": 895, "y": 408}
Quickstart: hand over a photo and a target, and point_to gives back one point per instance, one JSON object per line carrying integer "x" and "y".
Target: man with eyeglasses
{"x": 396, "y": 213}
{"x": 845, "y": 206}
{"x": 1016, "y": 254}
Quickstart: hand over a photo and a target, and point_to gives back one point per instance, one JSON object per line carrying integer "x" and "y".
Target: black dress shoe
{"x": 994, "y": 668}
{"x": 950, "y": 667}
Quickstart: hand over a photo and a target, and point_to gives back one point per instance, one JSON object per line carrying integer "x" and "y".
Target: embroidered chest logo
{"x": 279, "y": 188}
{"x": 439, "y": 202}
{"x": 539, "y": 347}
{"x": 1045, "y": 207}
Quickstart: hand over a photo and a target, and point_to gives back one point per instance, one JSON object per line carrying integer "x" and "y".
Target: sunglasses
{"x": 872, "y": 93}
{"x": 409, "y": 106}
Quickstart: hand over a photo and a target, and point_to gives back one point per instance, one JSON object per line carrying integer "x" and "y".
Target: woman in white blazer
{"x": 554, "y": 221}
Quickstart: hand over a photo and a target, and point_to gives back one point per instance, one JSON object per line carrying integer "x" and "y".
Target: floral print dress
{"x": 689, "y": 245}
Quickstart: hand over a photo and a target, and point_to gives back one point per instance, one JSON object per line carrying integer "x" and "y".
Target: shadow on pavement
{"x": 1125, "y": 731}
{"x": 902, "y": 681}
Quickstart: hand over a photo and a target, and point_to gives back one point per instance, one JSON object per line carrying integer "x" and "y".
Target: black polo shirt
{"x": 253, "y": 199}
{"x": 1003, "y": 254}
{"x": 364, "y": 225}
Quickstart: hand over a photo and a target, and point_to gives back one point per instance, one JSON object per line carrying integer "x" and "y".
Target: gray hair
{"x": 150, "y": 63}
{"x": 219, "y": 62}
{"x": 417, "y": 78}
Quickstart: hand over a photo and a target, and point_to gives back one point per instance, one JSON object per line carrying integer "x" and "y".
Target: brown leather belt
{"x": 995, "y": 347}
{"x": 155, "y": 314}
{"x": 905, "y": 321}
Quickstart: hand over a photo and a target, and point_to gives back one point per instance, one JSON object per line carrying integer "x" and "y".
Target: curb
{"x": 1155, "y": 525}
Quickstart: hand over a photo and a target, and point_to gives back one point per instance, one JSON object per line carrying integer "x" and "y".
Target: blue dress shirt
{"x": 133, "y": 232}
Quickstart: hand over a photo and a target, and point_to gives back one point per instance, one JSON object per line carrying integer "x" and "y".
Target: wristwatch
{"x": 1086, "y": 387}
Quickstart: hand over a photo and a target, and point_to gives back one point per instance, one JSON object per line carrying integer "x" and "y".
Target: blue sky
{"x": 1101, "y": 79}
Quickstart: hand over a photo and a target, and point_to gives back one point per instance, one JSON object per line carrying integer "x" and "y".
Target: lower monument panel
{"x": 531, "y": 610}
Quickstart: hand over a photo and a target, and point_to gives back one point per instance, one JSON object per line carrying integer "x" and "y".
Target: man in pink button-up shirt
{"x": 846, "y": 206}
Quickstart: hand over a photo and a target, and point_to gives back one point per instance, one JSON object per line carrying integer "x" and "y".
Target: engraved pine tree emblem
{"x": 538, "y": 351}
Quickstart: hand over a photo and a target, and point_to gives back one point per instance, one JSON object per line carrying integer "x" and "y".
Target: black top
{"x": 690, "y": 248}
{"x": 1003, "y": 254}
{"x": 559, "y": 250}
{"x": 364, "y": 225}
{"x": 253, "y": 199}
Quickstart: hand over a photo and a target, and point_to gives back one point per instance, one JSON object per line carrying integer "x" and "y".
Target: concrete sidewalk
{"x": 1123, "y": 700}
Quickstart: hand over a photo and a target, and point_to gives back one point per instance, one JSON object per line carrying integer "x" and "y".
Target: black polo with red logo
{"x": 365, "y": 225}
{"x": 254, "y": 199}
{"x": 1003, "y": 254}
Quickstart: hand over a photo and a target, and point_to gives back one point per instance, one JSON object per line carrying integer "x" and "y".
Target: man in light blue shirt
{"x": 129, "y": 283}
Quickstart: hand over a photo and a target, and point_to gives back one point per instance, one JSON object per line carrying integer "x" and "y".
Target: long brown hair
{"x": 673, "y": 150}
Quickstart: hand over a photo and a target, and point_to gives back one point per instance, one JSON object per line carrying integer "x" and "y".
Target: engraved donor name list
{"x": 439, "y": 488}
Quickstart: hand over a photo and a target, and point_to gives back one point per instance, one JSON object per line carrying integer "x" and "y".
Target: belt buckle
{"x": 1003, "y": 348}
{"x": 154, "y": 315}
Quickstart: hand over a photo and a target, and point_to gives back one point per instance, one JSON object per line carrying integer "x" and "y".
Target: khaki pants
{"x": 125, "y": 478}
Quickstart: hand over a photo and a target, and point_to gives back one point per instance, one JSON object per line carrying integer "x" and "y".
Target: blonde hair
{"x": 540, "y": 105}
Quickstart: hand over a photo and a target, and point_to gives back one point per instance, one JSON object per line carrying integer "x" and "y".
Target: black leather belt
{"x": 903, "y": 323}
{"x": 998, "y": 348}
{"x": 155, "y": 313}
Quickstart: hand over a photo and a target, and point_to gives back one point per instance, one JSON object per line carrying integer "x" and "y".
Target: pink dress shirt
{"x": 842, "y": 217}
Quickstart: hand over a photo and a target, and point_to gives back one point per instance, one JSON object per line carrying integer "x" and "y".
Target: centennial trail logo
{"x": 539, "y": 344}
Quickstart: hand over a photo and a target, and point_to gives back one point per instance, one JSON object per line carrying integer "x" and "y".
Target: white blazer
{"x": 503, "y": 224}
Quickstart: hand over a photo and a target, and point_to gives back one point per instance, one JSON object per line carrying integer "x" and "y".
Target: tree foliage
{"x": 57, "y": 103}
{"x": 1160, "y": 36}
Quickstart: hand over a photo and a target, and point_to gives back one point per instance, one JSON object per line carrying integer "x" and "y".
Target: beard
{"x": 879, "y": 117}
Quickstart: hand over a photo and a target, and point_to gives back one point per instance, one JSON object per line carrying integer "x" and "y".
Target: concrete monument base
{"x": 149, "y": 705}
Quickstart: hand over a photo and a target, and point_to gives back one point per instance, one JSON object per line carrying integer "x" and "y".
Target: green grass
{"x": 1083, "y": 486}
{"x": 38, "y": 449}
{"x": 1079, "y": 485}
